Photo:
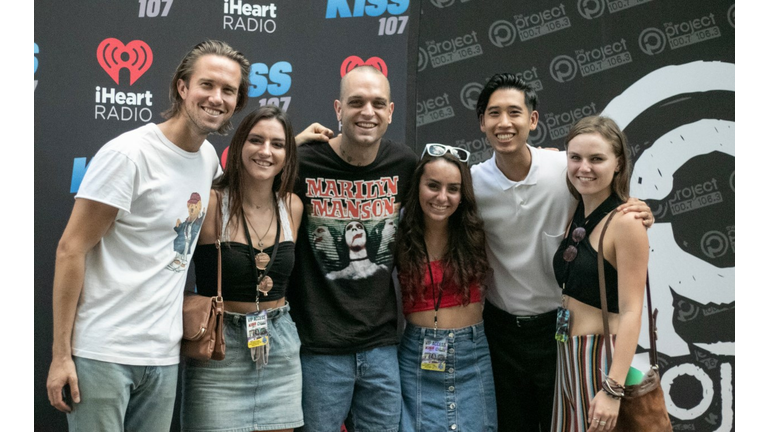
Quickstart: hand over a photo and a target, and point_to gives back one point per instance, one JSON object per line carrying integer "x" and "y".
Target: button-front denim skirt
{"x": 462, "y": 397}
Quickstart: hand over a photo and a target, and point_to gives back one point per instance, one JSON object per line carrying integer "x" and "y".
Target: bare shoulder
{"x": 295, "y": 204}
{"x": 626, "y": 226}
{"x": 296, "y": 208}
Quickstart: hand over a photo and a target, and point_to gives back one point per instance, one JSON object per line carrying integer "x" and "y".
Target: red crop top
{"x": 451, "y": 294}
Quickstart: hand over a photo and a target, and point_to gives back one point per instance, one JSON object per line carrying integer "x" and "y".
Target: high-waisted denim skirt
{"x": 462, "y": 397}
{"x": 233, "y": 394}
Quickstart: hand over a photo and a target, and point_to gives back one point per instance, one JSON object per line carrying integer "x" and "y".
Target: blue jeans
{"x": 117, "y": 397}
{"x": 460, "y": 398}
{"x": 365, "y": 385}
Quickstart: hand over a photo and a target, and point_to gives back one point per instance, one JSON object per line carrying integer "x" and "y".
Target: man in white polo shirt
{"x": 525, "y": 204}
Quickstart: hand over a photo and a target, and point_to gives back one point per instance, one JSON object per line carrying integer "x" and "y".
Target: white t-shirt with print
{"x": 129, "y": 311}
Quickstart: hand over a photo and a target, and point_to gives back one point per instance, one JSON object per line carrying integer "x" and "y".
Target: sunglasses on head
{"x": 437, "y": 150}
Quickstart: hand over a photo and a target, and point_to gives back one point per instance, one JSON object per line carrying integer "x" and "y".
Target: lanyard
{"x": 432, "y": 280}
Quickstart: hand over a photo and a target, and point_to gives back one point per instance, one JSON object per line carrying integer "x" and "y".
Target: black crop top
{"x": 237, "y": 281}
{"x": 580, "y": 276}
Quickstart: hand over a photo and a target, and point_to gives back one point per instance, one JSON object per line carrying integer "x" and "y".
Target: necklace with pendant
{"x": 262, "y": 259}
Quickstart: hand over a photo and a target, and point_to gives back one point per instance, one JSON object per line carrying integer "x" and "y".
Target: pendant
{"x": 265, "y": 285}
{"x": 262, "y": 260}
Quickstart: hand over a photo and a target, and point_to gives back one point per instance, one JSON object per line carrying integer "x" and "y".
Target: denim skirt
{"x": 462, "y": 397}
{"x": 233, "y": 394}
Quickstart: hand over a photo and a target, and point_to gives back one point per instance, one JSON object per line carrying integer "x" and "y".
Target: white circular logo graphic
{"x": 423, "y": 59}
{"x": 537, "y": 136}
{"x": 652, "y": 41}
{"x": 502, "y": 33}
{"x": 714, "y": 244}
{"x": 563, "y": 68}
{"x": 732, "y": 15}
{"x": 469, "y": 94}
{"x": 590, "y": 9}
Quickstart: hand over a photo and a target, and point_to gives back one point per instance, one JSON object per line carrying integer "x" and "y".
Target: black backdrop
{"x": 663, "y": 69}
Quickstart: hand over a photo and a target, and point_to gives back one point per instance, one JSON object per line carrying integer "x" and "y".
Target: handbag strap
{"x": 219, "y": 299}
{"x": 604, "y": 304}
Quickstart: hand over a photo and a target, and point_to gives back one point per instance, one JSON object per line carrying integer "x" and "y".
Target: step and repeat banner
{"x": 664, "y": 70}
{"x": 103, "y": 67}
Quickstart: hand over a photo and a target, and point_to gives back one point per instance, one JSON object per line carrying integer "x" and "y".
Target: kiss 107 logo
{"x": 360, "y": 8}
{"x": 274, "y": 80}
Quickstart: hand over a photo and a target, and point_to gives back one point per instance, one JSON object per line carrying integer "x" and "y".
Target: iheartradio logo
{"x": 113, "y": 55}
{"x": 352, "y": 62}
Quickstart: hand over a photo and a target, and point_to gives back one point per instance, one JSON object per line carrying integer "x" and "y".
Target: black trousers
{"x": 524, "y": 360}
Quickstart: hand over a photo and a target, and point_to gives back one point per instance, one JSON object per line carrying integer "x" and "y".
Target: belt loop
{"x": 474, "y": 332}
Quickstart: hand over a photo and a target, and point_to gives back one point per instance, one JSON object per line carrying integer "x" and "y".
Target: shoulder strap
{"x": 218, "y": 241}
{"x": 282, "y": 205}
{"x": 603, "y": 295}
{"x": 604, "y": 304}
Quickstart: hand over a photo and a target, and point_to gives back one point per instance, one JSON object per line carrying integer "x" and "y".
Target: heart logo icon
{"x": 113, "y": 55}
{"x": 352, "y": 62}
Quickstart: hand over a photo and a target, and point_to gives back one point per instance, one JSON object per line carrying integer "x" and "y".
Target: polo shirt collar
{"x": 531, "y": 179}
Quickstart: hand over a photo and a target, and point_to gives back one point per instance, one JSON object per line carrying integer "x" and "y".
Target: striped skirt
{"x": 580, "y": 361}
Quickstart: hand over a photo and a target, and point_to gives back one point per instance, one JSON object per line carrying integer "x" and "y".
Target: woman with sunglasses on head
{"x": 257, "y": 386}
{"x": 587, "y": 393}
{"x": 445, "y": 366}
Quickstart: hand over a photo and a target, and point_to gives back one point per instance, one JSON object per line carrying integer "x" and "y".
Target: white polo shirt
{"x": 524, "y": 224}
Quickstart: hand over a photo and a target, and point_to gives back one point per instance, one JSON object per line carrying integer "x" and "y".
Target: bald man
{"x": 347, "y": 321}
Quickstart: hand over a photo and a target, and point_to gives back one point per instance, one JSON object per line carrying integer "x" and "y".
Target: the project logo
{"x": 558, "y": 124}
{"x": 591, "y": 9}
{"x": 732, "y": 15}
{"x": 433, "y": 109}
{"x": 360, "y": 8}
{"x": 652, "y": 41}
{"x": 602, "y": 58}
{"x": 680, "y": 34}
{"x": 273, "y": 80}
{"x": 37, "y": 51}
{"x": 541, "y": 23}
{"x": 590, "y": 61}
{"x": 112, "y": 104}
{"x": 113, "y": 56}
{"x": 563, "y": 68}
{"x": 354, "y": 61}
{"x": 452, "y": 50}
{"x": 469, "y": 94}
{"x": 502, "y": 33}
{"x": 250, "y": 17}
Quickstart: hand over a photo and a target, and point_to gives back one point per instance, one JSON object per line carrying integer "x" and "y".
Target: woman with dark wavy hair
{"x": 257, "y": 386}
{"x": 445, "y": 366}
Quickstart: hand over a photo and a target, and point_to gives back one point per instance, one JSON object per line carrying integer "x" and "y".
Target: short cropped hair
{"x": 502, "y": 81}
